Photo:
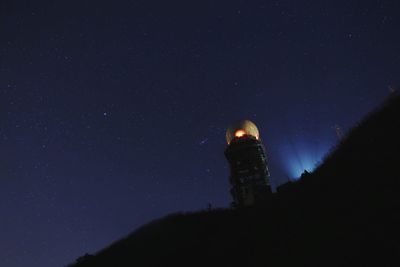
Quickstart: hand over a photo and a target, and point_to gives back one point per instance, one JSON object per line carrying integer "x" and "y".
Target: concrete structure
{"x": 249, "y": 176}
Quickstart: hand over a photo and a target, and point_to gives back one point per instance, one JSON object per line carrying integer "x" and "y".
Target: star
{"x": 204, "y": 141}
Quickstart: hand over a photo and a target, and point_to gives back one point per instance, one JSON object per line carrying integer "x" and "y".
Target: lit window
{"x": 239, "y": 133}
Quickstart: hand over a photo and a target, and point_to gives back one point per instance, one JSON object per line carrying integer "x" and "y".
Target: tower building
{"x": 249, "y": 176}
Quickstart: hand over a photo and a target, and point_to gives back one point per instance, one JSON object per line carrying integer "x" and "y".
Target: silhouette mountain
{"x": 345, "y": 213}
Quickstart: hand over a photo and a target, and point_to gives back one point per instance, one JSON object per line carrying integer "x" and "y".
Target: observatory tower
{"x": 249, "y": 174}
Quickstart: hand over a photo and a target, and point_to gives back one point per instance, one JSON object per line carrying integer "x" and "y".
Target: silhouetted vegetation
{"x": 345, "y": 213}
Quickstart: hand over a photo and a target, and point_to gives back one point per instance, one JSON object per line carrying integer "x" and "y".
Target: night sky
{"x": 114, "y": 114}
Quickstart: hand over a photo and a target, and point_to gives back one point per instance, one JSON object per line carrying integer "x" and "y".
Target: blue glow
{"x": 298, "y": 156}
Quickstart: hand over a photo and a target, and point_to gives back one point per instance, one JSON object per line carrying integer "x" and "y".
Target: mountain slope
{"x": 345, "y": 213}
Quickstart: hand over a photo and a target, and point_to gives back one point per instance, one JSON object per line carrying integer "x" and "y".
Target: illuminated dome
{"x": 241, "y": 128}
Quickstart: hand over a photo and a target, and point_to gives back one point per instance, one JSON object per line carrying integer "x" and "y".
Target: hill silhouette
{"x": 345, "y": 213}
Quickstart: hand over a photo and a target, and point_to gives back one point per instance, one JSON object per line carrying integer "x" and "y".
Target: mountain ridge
{"x": 344, "y": 213}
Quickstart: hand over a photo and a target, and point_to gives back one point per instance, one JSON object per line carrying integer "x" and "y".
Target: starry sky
{"x": 113, "y": 113}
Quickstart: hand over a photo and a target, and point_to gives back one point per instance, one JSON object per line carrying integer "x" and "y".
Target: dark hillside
{"x": 345, "y": 213}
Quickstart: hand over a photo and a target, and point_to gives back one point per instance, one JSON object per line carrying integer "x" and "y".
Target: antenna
{"x": 339, "y": 132}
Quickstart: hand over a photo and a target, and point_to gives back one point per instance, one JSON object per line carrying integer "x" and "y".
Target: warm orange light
{"x": 239, "y": 133}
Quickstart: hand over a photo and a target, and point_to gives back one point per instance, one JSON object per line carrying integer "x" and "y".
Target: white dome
{"x": 241, "y": 128}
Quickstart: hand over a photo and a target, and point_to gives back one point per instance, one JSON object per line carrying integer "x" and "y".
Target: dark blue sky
{"x": 113, "y": 114}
